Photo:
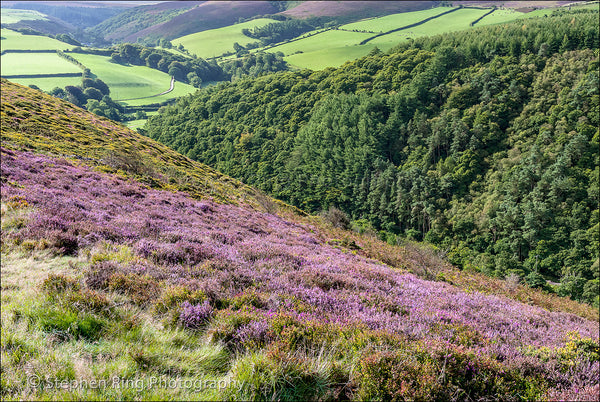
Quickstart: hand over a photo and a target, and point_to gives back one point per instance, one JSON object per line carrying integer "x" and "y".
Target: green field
{"x": 15, "y": 40}
{"x": 35, "y": 63}
{"x": 215, "y": 42}
{"x": 135, "y": 124}
{"x": 127, "y": 82}
{"x": 333, "y": 48}
{"x": 47, "y": 84}
{"x": 456, "y": 21}
{"x": 393, "y": 21}
{"x": 333, "y": 57}
{"x": 326, "y": 40}
{"x": 12, "y": 16}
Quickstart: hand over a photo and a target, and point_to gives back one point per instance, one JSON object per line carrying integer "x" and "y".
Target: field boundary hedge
{"x": 484, "y": 15}
{"x": 42, "y": 75}
{"x": 27, "y": 51}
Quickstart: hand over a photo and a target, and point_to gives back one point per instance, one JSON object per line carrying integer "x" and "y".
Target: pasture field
{"x": 456, "y": 21}
{"x": 135, "y": 124}
{"x": 12, "y": 16}
{"x": 14, "y": 40}
{"x": 127, "y": 82}
{"x": 174, "y": 51}
{"x": 48, "y": 83}
{"x": 215, "y": 42}
{"x": 35, "y": 63}
{"x": 329, "y": 57}
{"x": 393, "y": 21}
{"x": 500, "y": 16}
{"x": 326, "y": 40}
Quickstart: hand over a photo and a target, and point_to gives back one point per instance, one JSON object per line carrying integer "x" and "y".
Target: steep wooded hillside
{"x": 483, "y": 142}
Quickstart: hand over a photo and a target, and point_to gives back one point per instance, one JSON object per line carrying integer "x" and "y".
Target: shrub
{"x": 255, "y": 334}
{"x": 173, "y": 296}
{"x": 195, "y": 316}
{"x": 56, "y": 284}
{"x": 337, "y": 218}
{"x": 130, "y": 162}
{"x": 87, "y": 299}
{"x": 98, "y": 275}
{"x": 141, "y": 289}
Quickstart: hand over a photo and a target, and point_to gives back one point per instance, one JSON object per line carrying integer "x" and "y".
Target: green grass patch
{"x": 12, "y": 16}
{"x": 500, "y": 16}
{"x": 394, "y": 21}
{"x": 35, "y": 63}
{"x": 332, "y": 57}
{"x": 326, "y": 40}
{"x": 215, "y": 42}
{"x": 48, "y": 83}
{"x": 13, "y": 40}
{"x": 455, "y": 21}
{"x": 126, "y": 81}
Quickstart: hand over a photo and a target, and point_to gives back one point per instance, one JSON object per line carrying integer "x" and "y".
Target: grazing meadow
{"x": 48, "y": 83}
{"x": 13, "y": 40}
{"x": 127, "y": 81}
{"x": 215, "y": 42}
{"x": 35, "y": 64}
{"x": 12, "y": 16}
{"x": 394, "y": 21}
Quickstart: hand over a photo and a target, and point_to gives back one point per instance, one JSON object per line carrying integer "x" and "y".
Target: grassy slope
{"x": 73, "y": 131}
{"x": 393, "y": 21}
{"x": 48, "y": 83}
{"x": 334, "y": 48}
{"x": 35, "y": 63}
{"x": 136, "y": 343}
{"x": 127, "y": 82}
{"x": 11, "y": 16}
{"x": 456, "y": 21}
{"x": 16, "y": 40}
{"x": 215, "y": 42}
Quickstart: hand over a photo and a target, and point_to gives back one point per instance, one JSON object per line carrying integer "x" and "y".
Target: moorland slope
{"x": 121, "y": 258}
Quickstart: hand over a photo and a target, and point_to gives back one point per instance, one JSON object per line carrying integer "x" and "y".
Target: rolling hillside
{"x": 122, "y": 258}
{"x": 175, "y": 19}
{"x": 129, "y": 22}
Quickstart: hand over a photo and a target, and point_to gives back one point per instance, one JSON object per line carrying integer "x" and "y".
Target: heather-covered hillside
{"x": 108, "y": 270}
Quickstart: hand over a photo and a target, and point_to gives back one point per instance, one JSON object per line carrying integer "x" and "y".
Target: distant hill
{"x": 129, "y": 22}
{"x": 174, "y": 19}
{"x": 353, "y": 10}
{"x": 208, "y": 15}
{"x": 78, "y": 14}
{"x": 48, "y": 25}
